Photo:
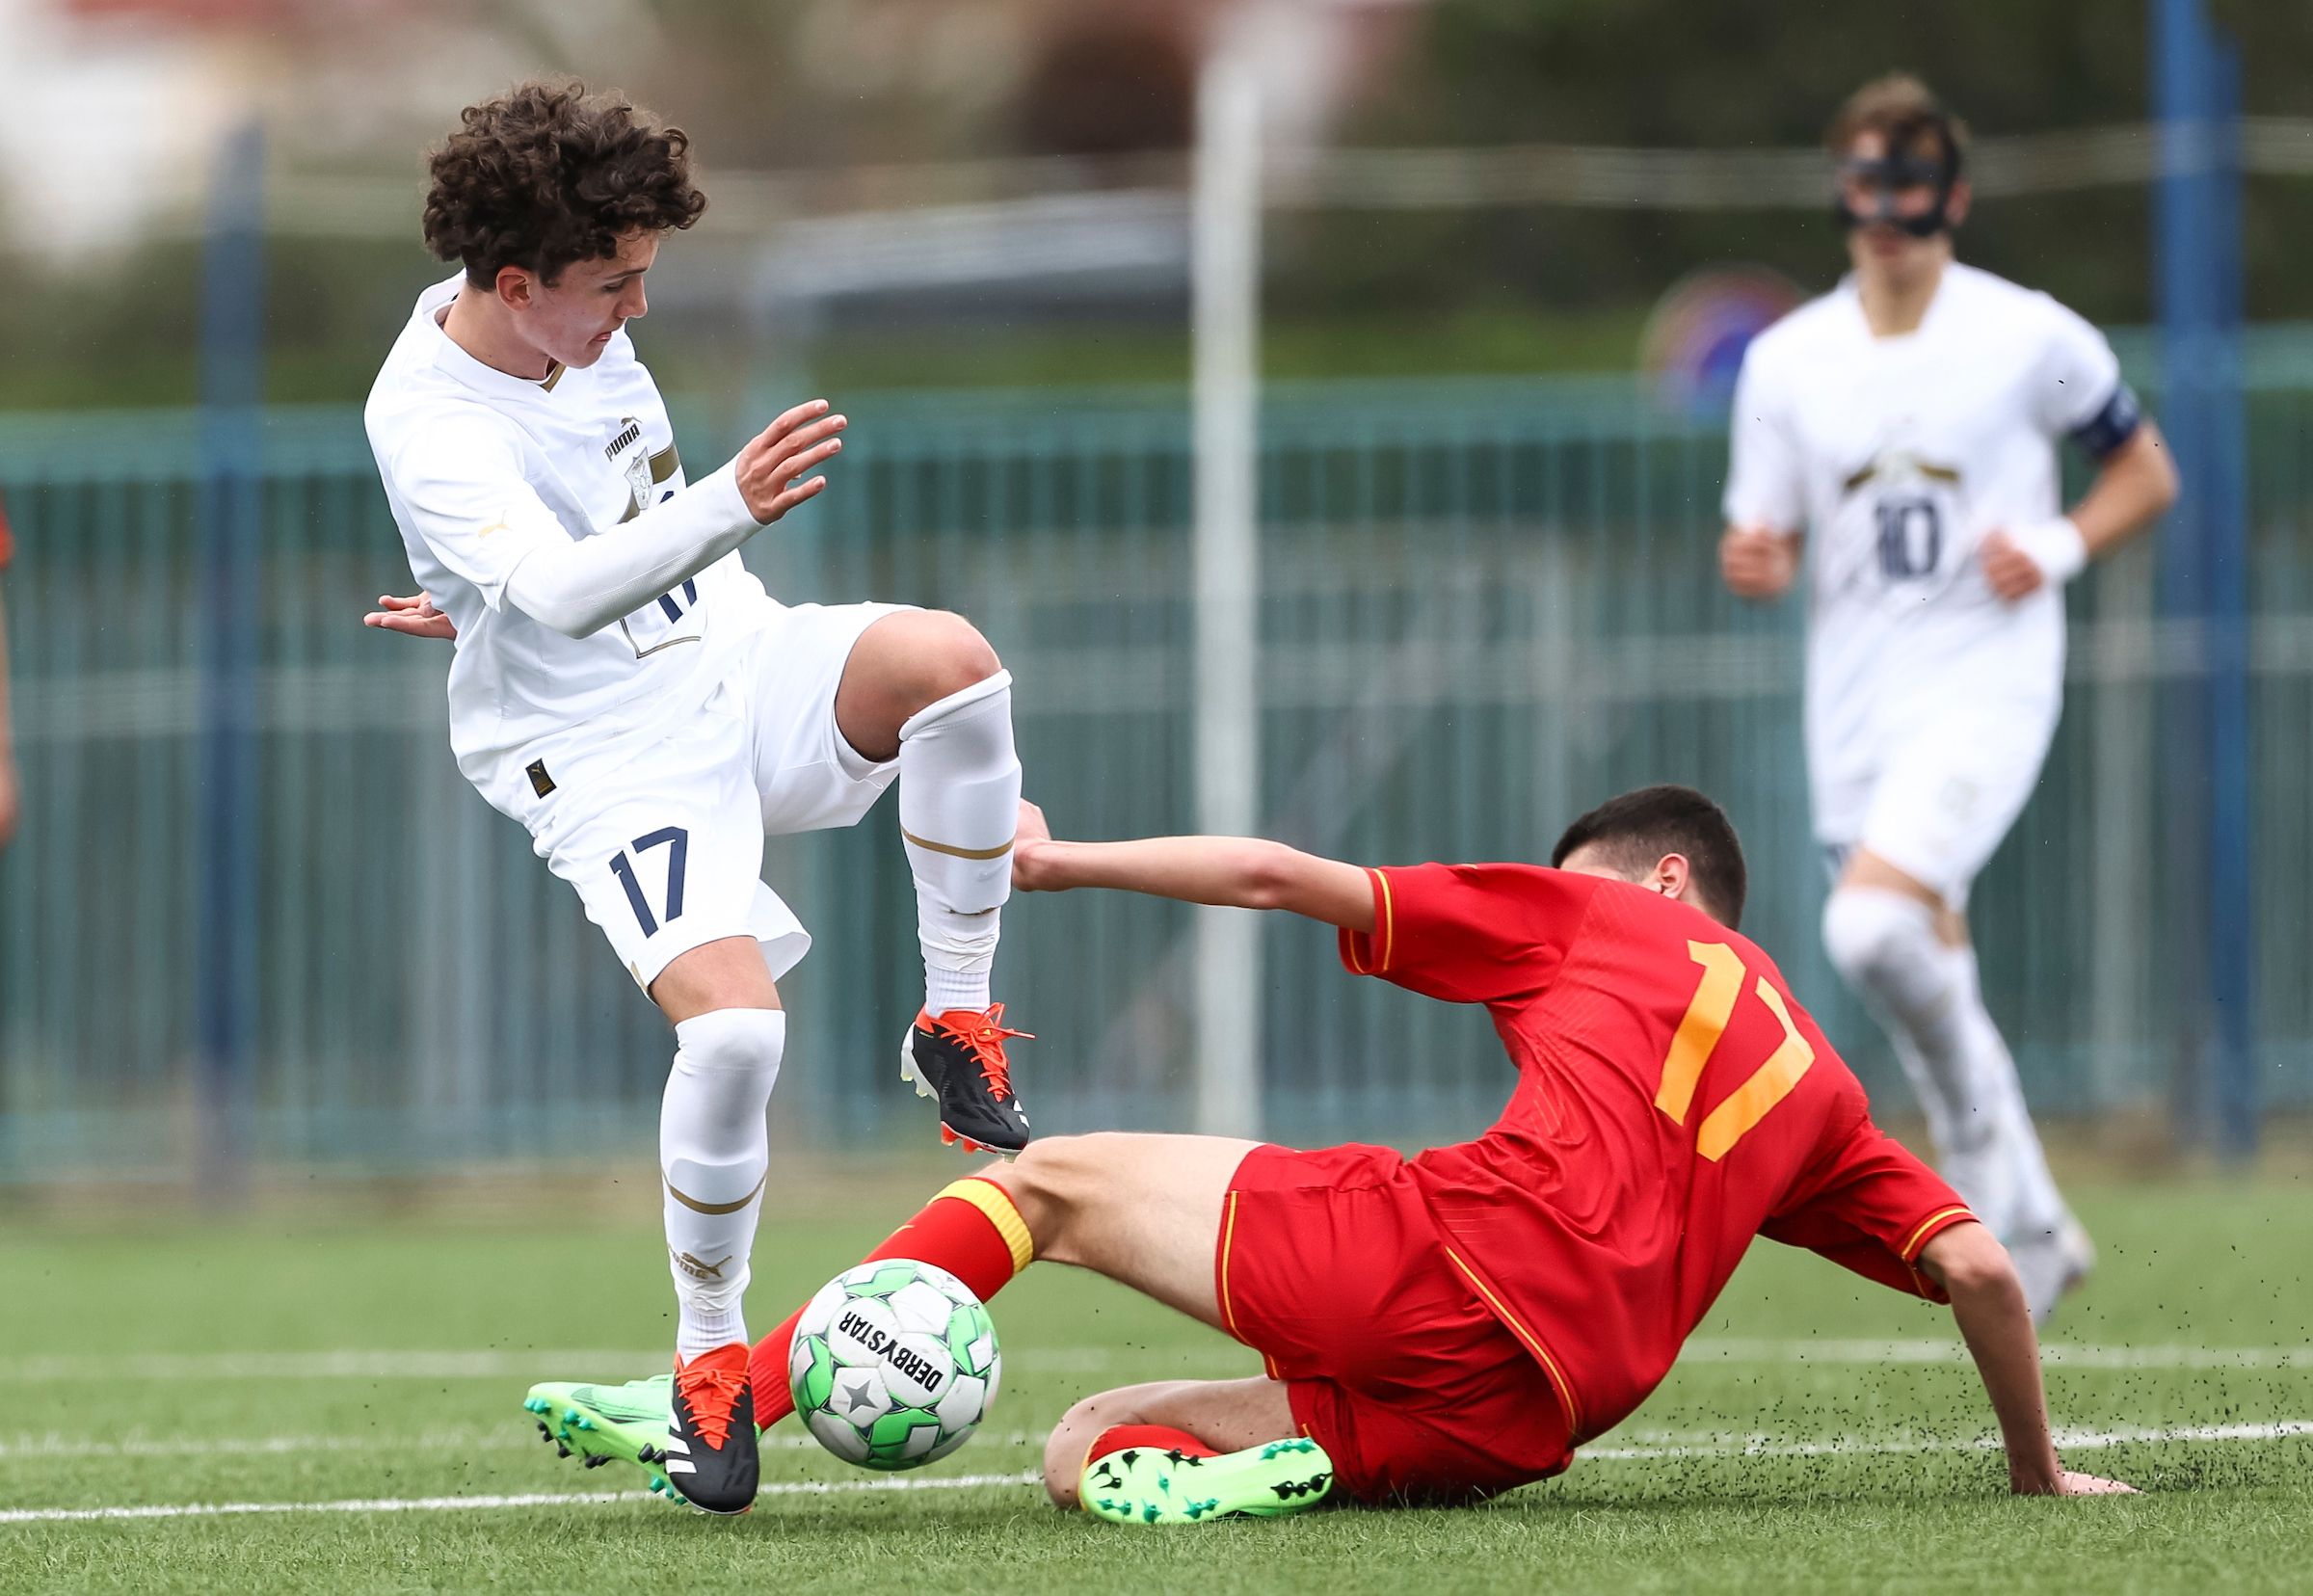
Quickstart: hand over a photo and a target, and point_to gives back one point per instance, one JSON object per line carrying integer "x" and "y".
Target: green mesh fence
{"x": 1485, "y": 606}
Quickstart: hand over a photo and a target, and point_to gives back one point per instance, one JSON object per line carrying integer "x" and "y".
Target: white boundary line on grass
{"x": 2054, "y": 1354}
{"x": 54, "y": 1446}
{"x": 2069, "y": 1440}
{"x": 2285, "y": 1429}
{"x": 468, "y": 1504}
{"x": 35, "y": 1448}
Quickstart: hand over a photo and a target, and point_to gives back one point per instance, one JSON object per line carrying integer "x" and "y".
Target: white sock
{"x": 714, "y": 1152}
{"x": 2036, "y": 1207}
{"x": 1886, "y": 944}
{"x": 959, "y": 807}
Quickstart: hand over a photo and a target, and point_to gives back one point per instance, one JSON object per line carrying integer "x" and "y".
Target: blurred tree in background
{"x": 800, "y": 84}
{"x": 1763, "y": 73}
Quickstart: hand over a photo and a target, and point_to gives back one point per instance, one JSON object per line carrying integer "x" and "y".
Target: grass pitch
{"x": 1823, "y": 1434}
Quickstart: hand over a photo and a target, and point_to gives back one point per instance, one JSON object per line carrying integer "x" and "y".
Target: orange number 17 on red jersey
{"x": 1707, "y": 1015}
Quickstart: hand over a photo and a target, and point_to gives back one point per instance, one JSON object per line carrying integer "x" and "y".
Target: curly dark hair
{"x": 546, "y": 174}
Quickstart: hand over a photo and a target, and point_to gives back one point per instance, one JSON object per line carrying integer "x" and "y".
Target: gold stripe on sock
{"x": 996, "y": 1203}
{"x": 997, "y": 852}
{"x": 696, "y": 1207}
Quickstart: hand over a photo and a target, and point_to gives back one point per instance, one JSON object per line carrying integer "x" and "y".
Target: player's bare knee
{"x": 1054, "y": 1183}
{"x": 1065, "y": 1449}
{"x": 1072, "y": 1438}
{"x": 1046, "y": 1184}
{"x": 964, "y": 655}
{"x": 945, "y": 654}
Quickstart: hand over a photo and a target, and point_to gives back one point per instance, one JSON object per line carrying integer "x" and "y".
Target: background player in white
{"x": 624, "y": 687}
{"x": 1907, "y": 424}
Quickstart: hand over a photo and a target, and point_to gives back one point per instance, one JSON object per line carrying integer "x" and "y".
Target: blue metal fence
{"x": 1486, "y": 606}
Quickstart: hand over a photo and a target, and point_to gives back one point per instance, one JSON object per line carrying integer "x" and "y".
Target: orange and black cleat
{"x": 958, "y": 1056}
{"x": 710, "y": 1455}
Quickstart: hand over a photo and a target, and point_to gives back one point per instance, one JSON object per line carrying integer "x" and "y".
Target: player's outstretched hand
{"x": 774, "y": 466}
{"x": 2068, "y": 1482}
{"x": 413, "y": 617}
{"x": 1757, "y": 563}
{"x": 2013, "y": 573}
{"x": 1029, "y": 874}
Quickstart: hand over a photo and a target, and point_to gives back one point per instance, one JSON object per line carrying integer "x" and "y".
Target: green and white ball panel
{"x": 893, "y": 1363}
{"x": 921, "y": 1307}
{"x": 820, "y": 1312}
{"x": 810, "y": 1372}
{"x": 960, "y": 1405}
{"x": 863, "y": 1331}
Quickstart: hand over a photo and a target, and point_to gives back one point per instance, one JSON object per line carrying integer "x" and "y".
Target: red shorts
{"x": 1330, "y": 1266}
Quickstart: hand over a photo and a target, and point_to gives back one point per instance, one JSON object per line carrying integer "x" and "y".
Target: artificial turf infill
{"x": 1820, "y": 1435}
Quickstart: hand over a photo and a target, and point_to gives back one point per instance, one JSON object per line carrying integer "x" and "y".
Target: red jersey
{"x": 8, "y": 540}
{"x": 1673, "y": 1101}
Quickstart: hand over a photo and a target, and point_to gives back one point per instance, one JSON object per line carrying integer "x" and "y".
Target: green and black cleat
{"x": 1146, "y": 1485}
{"x": 603, "y": 1425}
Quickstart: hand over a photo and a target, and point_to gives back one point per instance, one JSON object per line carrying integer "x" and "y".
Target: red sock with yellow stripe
{"x": 970, "y": 1230}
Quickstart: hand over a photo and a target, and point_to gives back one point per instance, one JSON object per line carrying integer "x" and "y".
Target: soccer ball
{"x": 893, "y": 1363}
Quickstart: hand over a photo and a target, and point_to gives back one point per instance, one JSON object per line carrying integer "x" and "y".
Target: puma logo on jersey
{"x": 632, "y": 433}
{"x": 493, "y": 526}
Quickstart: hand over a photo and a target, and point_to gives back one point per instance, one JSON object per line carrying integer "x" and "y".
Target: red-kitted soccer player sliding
{"x": 1450, "y": 1326}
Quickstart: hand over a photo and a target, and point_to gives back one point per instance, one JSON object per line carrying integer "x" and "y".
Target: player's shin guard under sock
{"x": 971, "y": 1230}
{"x": 715, "y": 1153}
{"x": 959, "y": 807}
{"x": 1884, "y": 945}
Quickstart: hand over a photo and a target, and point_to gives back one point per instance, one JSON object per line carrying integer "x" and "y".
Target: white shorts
{"x": 1940, "y": 794}
{"x": 664, "y": 840}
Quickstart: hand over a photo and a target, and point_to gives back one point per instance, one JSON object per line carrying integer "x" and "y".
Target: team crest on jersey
{"x": 633, "y": 460}
{"x": 1891, "y": 466}
{"x": 647, "y": 474}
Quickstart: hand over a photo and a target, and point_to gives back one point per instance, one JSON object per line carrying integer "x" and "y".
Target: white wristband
{"x": 2055, "y": 547}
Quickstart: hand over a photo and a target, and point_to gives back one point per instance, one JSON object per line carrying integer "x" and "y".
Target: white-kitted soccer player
{"x": 625, "y": 689}
{"x": 1903, "y": 431}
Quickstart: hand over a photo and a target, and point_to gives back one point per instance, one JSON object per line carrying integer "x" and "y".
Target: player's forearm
{"x": 1988, "y": 1302}
{"x": 583, "y": 585}
{"x": 1239, "y": 871}
{"x": 1243, "y": 873}
{"x": 2132, "y": 487}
